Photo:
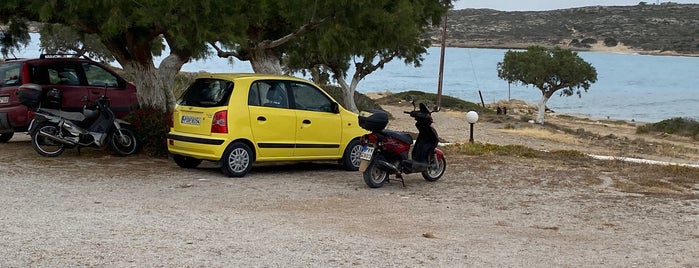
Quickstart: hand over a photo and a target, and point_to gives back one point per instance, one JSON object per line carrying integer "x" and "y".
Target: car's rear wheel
{"x": 5, "y": 137}
{"x": 350, "y": 158}
{"x": 186, "y": 161}
{"x": 237, "y": 160}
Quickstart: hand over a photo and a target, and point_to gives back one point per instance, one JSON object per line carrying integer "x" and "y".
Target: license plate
{"x": 367, "y": 153}
{"x": 190, "y": 120}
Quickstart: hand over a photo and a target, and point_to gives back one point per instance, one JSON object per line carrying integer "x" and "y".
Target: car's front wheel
{"x": 350, "y": 158}
{"x": 237, "y": 160}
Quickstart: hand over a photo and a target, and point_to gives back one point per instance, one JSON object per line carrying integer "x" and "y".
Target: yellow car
{"x": 240, "y": 119}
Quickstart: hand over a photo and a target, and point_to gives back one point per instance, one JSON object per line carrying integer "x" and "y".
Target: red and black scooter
{"x": 385, "y": 152}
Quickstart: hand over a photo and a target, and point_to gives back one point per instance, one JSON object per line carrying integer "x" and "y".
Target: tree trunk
{"x": 542, "y": 109}
{"x": 155, "y": 85}
{"x": 348, "y": 93}
{"x": 265, "y": 61}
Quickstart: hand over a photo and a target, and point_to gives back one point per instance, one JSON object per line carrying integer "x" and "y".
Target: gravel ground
{"x": 101, "y": 211}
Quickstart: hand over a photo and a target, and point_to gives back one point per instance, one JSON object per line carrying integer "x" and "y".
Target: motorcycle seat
{"x": 72, "y": 116}
{"x": 404, "y": 137}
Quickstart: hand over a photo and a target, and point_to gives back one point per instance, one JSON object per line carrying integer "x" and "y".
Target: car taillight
{"x": 220, "y": 122}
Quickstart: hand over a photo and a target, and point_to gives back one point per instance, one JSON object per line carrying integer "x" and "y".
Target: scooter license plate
{"x": 367, "y": 153}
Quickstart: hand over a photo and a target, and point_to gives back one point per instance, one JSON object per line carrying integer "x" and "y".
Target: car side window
{"x": 269, "y": 94}
{"x": 97, "y": 76}
{"x": 310, "y": 98}
{"x": 10, "y": 74}
{"x": 62, "y": 74}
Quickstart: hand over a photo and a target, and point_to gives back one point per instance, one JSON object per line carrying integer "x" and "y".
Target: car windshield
{"x": 207, "y": 92}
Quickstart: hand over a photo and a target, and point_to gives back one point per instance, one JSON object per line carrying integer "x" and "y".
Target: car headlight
{"x": 5, "y": 99}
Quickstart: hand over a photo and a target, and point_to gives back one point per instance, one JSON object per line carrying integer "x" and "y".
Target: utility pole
{"x": 441, "y": 62}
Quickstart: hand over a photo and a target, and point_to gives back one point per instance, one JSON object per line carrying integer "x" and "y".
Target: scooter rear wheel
{"x": 435, "y": 168}
{"x": 374, "y": 176}
{"x": 46, "y": 146}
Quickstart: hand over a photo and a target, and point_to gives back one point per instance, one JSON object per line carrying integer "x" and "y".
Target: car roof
{"x": 253, "y": 76}
{"x": 48, "y": 58}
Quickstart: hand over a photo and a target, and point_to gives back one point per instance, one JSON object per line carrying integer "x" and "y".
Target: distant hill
{"x": 664, "y": 28}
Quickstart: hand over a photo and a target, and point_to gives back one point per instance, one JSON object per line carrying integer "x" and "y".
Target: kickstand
{"x": 400, "y": 177}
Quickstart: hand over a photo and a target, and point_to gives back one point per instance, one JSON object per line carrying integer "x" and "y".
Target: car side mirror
{"x": 335, "y": 108}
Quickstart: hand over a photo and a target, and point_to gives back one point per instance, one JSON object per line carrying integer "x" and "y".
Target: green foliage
{"x": 365, "y": 35}
{"x": 549, "y": 70}
{"x": 15, "y": 37}
{"x": 610, "y": 42}
{"x": 152, "y": 126}
{"x": 56, "y": 38}
{"x": 680, "y": 126}
{"x": 430, "y": 99}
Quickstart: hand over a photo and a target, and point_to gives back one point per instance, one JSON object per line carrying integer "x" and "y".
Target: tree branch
{"x": 302, "y": 30}
{"x": 224, "y": 54}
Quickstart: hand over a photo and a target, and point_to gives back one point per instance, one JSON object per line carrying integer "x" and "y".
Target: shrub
{"x": 610, "y": 42}
{"x": 151, "y": 125}
{"x": 680, "y": 126}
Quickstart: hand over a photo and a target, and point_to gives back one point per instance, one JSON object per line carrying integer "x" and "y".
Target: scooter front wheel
{"x": 123, "y": 142}
{"x": 435, "y": 168}
{"x": 43, "y": 140}
{"x": 374, "y": 176}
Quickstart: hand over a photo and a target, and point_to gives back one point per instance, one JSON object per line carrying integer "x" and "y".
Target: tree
{"x": 397, "y": 30}
{"x": 549, "y": 70}
{"x": 59, "y": 39}
{"x": 324, "y": 37}
{"x": 131, "y": 29}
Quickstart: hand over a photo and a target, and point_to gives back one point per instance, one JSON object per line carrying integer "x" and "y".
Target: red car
{"x": 80, "y": 80}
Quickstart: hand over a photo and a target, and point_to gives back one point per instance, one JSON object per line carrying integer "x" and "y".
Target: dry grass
{"x": 571, "y": 168}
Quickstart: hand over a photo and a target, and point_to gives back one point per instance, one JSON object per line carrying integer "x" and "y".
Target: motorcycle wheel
{"x": 46, "y": 146}
{"x": 436, "y": 169}
{"x": 375, "y": 177}
{"x": 125, "y": 143}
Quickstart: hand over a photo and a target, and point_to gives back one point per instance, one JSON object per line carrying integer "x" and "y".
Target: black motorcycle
{"x": 385, "y": 152}
{"x": 54, "y": 130}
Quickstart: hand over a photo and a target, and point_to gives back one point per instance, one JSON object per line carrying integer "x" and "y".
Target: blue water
{"x": 630, "y": 87}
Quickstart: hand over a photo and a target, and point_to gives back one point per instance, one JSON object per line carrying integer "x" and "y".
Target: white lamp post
{"x": 471, "y": 118}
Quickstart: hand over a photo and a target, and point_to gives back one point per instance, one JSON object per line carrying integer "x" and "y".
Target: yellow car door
{"x": 272, "y": 122}
{"x": 318, "y": 125}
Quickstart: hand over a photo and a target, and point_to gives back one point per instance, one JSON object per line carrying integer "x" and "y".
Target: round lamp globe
{"x": 472, "y": 117}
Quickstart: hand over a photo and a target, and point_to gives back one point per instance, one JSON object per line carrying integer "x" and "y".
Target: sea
{"x": 642, "y": 88}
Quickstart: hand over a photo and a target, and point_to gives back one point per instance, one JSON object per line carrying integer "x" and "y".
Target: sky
{"x": 538, "y": 5}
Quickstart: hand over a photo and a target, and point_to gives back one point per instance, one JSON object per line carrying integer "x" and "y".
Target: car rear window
{"x": 10, "y": 74}
{"x": 207, "y": 92}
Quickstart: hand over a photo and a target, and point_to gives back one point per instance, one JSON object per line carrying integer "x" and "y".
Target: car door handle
{"x": 261, "y": 118}
{"x": 306, "y": 121}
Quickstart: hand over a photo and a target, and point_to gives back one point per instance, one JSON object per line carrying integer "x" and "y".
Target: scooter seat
{"x": 404, "y": 137}
{"x": 72, "y": 116}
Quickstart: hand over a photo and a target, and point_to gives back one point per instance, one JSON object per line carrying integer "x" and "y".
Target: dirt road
{"x": 103, "y": 211}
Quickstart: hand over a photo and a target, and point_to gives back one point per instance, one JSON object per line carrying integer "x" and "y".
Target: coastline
{"x": 598, "y": 47}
